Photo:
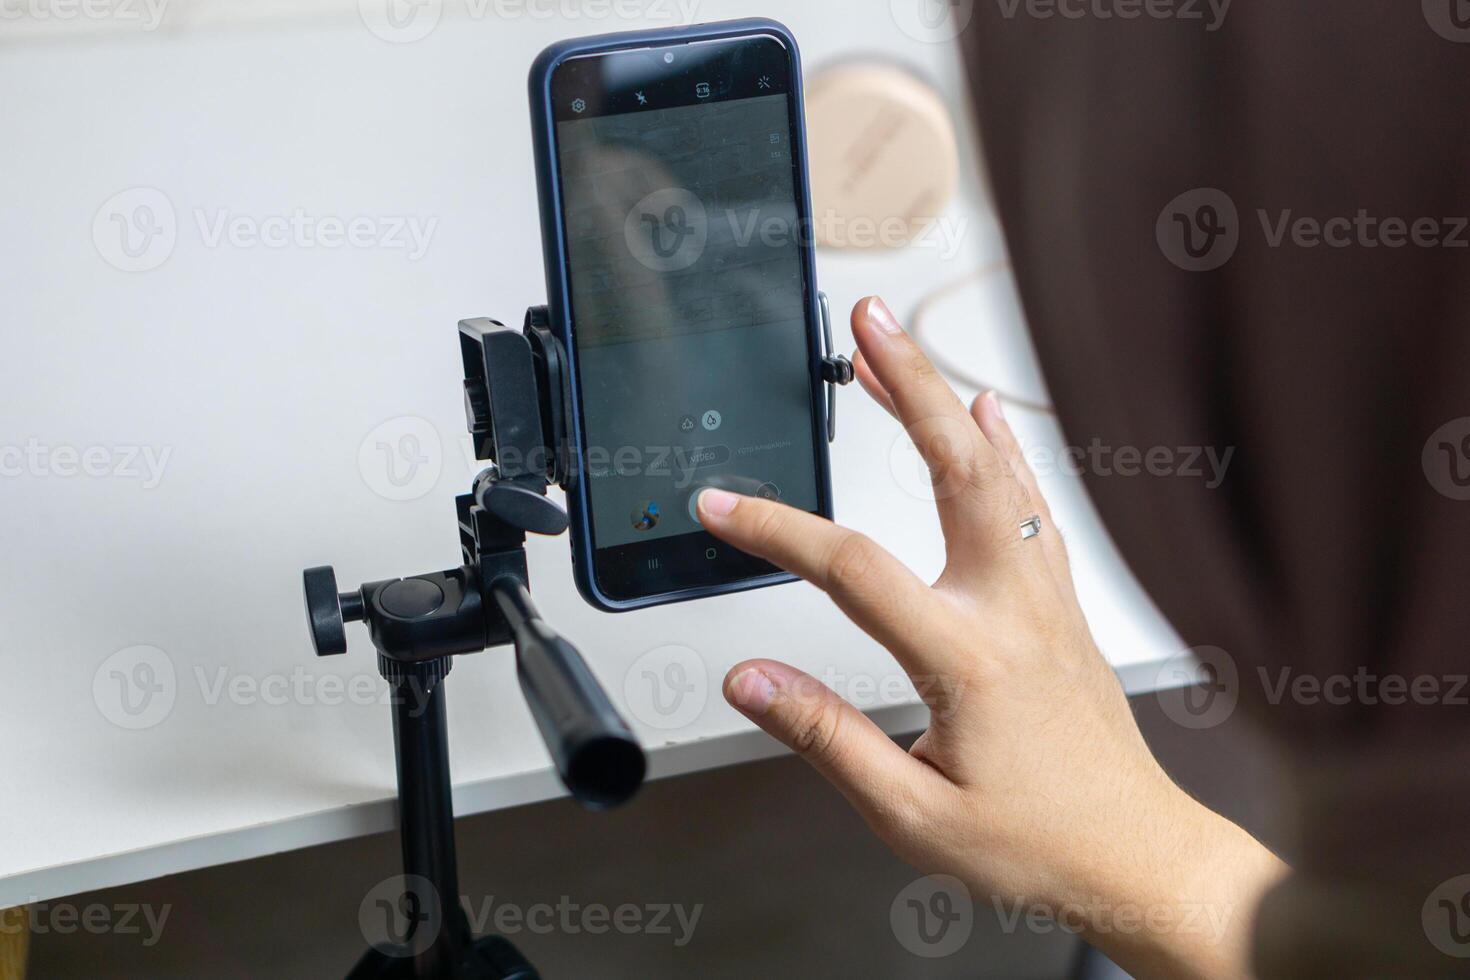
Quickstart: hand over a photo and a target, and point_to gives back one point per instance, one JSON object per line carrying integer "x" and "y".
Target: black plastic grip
{"x": 595, "y": 752}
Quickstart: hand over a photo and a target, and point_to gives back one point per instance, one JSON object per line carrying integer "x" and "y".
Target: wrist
{"x": 1180, "y": 894}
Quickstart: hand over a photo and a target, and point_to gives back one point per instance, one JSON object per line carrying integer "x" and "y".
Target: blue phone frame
{"x": 543, "y": 131}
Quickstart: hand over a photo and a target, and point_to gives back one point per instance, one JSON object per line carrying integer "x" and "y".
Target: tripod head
{"x": 516, "y": 407}
{"x": 515, "y": 411}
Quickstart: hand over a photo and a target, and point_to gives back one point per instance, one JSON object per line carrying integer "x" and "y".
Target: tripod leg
{"x": 426, "y": 823}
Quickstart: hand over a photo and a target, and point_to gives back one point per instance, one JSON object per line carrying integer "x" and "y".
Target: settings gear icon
{"x": 579, "y": 105}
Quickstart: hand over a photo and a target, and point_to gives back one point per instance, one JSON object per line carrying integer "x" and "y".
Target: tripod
{"x": 513, "y": 402}
{"x": 516, "y": 409}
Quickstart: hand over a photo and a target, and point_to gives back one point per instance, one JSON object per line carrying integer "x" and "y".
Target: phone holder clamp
{"x": 516, "y": 408}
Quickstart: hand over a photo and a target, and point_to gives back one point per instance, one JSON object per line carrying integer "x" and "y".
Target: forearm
{"x": 1185, "y": 905}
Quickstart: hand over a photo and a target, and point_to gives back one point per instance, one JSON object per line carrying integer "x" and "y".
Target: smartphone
{"x": 676, "y": 220}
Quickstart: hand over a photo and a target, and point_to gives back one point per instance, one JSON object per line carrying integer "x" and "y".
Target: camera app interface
{"x": 688, "y": 292}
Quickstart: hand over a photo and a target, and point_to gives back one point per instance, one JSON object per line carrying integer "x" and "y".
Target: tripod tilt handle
{"x": 595, "y": 753}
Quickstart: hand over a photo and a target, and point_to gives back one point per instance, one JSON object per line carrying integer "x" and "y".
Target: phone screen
{"x": 690, "y": 300}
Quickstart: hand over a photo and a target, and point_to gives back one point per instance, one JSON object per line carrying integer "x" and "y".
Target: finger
{"x": 882, "y": 781}
{"x": 990, "y": 416}
{"x": 870, "y": 383}
{"x": 901, "y": 369}
{"x": 979, "y": 503}
{"x": 875, "y": 589}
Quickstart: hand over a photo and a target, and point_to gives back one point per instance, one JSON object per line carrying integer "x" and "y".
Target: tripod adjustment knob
{"x": 328, "y": 612}
{"x": 522, "y": 507}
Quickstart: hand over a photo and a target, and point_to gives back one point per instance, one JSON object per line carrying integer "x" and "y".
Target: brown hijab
{"x": 1335, "y": 364}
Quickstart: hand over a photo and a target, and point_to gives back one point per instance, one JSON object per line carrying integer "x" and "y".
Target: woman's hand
{"x": 1032, "y": 783}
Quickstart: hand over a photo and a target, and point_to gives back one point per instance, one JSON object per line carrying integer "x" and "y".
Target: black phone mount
{"x": 516, "y": 391}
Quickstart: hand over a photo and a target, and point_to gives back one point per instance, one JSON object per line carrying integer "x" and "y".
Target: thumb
{"x": 882, "y": 781}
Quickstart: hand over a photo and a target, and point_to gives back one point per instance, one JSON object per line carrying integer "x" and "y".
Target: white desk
{"x": 261, "y": 371}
